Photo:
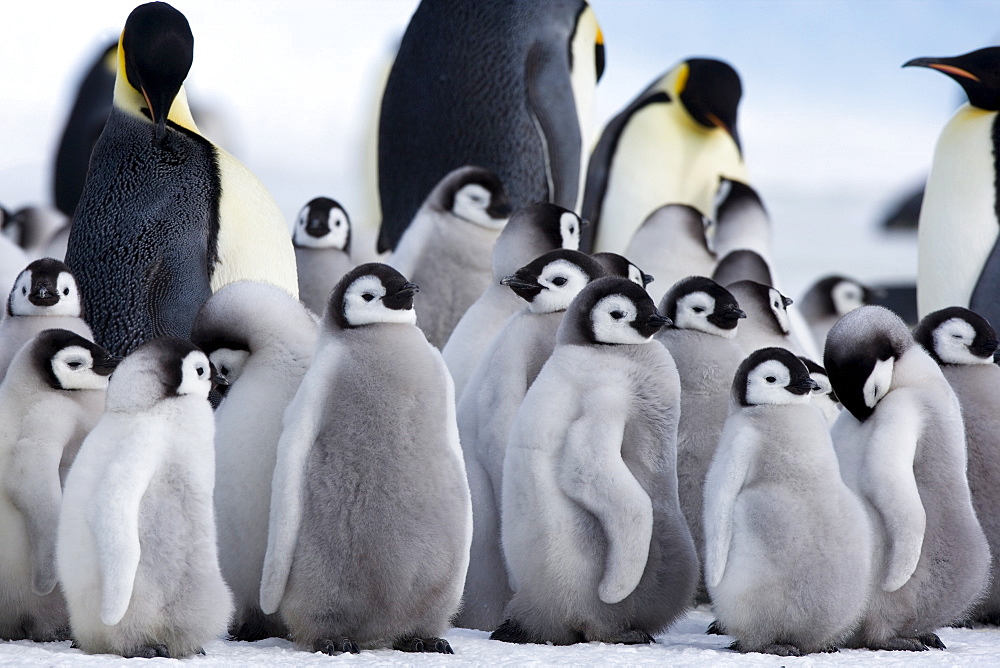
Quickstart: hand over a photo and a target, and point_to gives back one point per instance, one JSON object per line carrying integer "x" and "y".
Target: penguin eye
{"x": 572, "y": 229}
{"x": 617, "y": 315}
{"x": 776, "y": 305}
{"x": 698, "y": 309}
{"x": 956, "y": 336}
{"x": 770, "y": 379}
{"x": 65, "y": 291}
{"x": 559, "y": 281}
{"x": 24, "y": 291}
{"x": 200, "y": 370}
{"x": 368, "y": 296}
{"x": 74, "y": 364}
{"x": 224, "y": 370}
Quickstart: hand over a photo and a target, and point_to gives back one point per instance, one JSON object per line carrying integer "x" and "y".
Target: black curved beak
{"x": 217, "y": 378}
{"x": 941, "y": 65}
{"x": 401, "y": 299}
{"x": 734, "y": 314}
{"x": 788, "y": 301}
{"x": 647, "y": 279}
{"x": 318, "y": 225}
{"x": 515, "y": 283}
{"x": 106, "y": 365}
{"x": 985, "y": 349}
{"x": 803, "y": 385}
{"x": 43, "y": 295}
{"x": 500, "y": 209}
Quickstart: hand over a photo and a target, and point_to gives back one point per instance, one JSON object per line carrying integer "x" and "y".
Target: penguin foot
{"x": 200, "y": 651}
{"x": 255, "y": 625}
{"x": 715, "y": 629}
{"x": 900, "y": 644}
{"x": 964, "y": 624}
{"x": 430, "y": 645}
{"x": 148, "y": 652}
{"x": 780, "y": 649}
{"x": 829, "y": 650}
{"x": 336, "y": 647}
{"x": 931, "y": 640}
{"x": 74, "y": 644}
{"x": 511, "y": 631}
{"x": 632, "y": 637}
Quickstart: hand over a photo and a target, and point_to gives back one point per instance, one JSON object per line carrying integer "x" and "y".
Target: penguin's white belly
{"x": 958, "y": 226}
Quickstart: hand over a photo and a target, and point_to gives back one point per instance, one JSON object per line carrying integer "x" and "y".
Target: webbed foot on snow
{"x": 336, "y": 647}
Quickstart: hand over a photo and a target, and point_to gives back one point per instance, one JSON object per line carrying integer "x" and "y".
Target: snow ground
{"x": 685, "y": 644}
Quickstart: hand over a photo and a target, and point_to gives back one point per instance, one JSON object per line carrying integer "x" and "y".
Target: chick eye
{"x": 770, "y": 379}
{"x": 559, "y": 280}
{"x": 956, "y": 336}
{"x": 368, "y": 296}
{"x": 224, "y": 370}
{"x": 572, "y": 229}
{"x": 75, "y": 364}
{"x": 617, "y": 315}
{"x": 776, "y": 305}
{"x": 698, "y": 309}
{"x": 65, "y": 291}
{"x": 24, "y": 291}
{"x": 200, "y": 370}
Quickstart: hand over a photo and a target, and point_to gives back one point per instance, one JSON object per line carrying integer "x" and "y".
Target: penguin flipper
{"x": 722, "y": 485}
{"x": 301, "y": 425}
{"x": 889, "y": 484}
{"x": 553, "y": 108}
{"x": 985, "y": 299}
{"x": 598, "y": 479}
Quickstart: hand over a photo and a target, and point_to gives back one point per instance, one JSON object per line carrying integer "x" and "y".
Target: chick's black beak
{"x": 985, "y": 349}
{"x": 647, "y": 279}
{"x": 401, "y": 299}
{"x": 43, "y": 295}
{"x": 803, "y": 385}
{"x": 105, "y": 366}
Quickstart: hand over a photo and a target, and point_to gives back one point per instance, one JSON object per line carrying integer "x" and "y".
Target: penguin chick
{"x": 44, "y": 296}
{"x": 901, "y": 447}
{"x": 166, "y": 217}
{"x": 322, "y": 240}
{"x": 447, "y": 247}
{"x": 136, "y": 552}
{"x": 595, "y": 543}
{"x": 52, "y": 396}
{"x": 529, "y": 233}
{"x": 742, "y": 221}
{"x": 671, "y": 144}
{"x": 787, "y": 543}
{"x": 33, "y": 228}
{"x": 958, "y": 245}
{"x": 964, "y": 344}
{"x": 701, "y": 339}
{"x": 619, "y": 265}
{"x": 330, "y": 482}
{"x": 823, "y": 397}
{"x": 261, "y": 340}
{"x": 828, "y": 299}
{"x": 742, "y": 265}
{"x": 767, "y": 323}
{"x": 487, "y": 407}
{"x": 671, "y": 243}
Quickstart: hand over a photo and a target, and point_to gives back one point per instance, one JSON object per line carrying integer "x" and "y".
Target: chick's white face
{"x": 766, "y": 385}
{"x": 823, "y": 381}
{"x": 611, "y": 320}
{"x": 73, "y": 367}
{"x": 635, "y": 275}
{"x": 471, "y": 203}
{"x": 196, "y": 375}
{"x": 878, "y": 382}
{"x": 363, "y": 304}
{"x": 229, "y": 363}
{"x": 847, "y": 296}
{"x": 777, "y": 304}
{"x": 693, "y": 310}
{"x": 336, "y": 237}
{"x": 66, "y": 290}
{"x": 569, "y": 229}
{"x": 952, "y": 339}
{"x": 562, "y": 281}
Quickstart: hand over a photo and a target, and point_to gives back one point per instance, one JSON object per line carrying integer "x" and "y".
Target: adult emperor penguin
{"x": 51, "y": 398}
{"x": 376, "y": 405}
{"x": 529, "y": 233}
{"x": 671, "y": 244}
{"x": 901, "y": 447}
{"x": 964, "y": 344}
{"x": 507, "y": 86}
{"x": 322, "y": 240}
{"x": 136, "y": 551}
{"x": 671, "y": 144}
{"x": 595, "y": 543}
{"x": 166, "y": 217}
{"x": 447, "y": 247}
{"x": 702, "y": 340}
{"x": 273, "y": 336}
{"x": 828, "y": 299}
{"x": 44, "y": 296}
{"x": 787, "y": 544}
{"x": 486, "y": 410}
{"x": 767, "y": 323}
{"x": 958, "y": 260}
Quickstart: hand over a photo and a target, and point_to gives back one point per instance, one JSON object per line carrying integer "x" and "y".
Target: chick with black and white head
{"x": 261, "y": 340}
{"x": 829, "y": 299}
{"x": 671, "y": 243}
{"x": 487, "y": 407}
{"x": 619, "y": 265}
{"x": 51, "y": 398}
{"x": 322, "y": 240}
{"x": 371, "y": 430}
{"x": 767, "y": 323}
{"x": 901, "y": 447}
{"x": 701, "y": 339}
{"x": 787, "y": 544}
{"x": 44, "y": 296}
{"x": 964, "y": 344}
{"x": 595, "y": 543}
{"x": 823, "y": 397}
{"x": 137, "y": 554}
{"x": 447, "y": 246}
{"x": 530, "y": 232}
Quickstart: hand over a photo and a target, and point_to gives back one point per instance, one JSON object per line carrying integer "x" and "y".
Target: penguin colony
{"x": 526, "y": 439}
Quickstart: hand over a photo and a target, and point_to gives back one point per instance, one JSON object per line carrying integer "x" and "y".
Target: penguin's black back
{"x": 143, "y": 241}
{"x": 456, "y": 96}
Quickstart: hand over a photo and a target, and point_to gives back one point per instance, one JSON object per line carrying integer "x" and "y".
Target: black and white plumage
{"x": 619, "y": 265}
{"x": 322, "y": 240}
{"x": 828, "y": 299}
{"x": 768, "y": 323}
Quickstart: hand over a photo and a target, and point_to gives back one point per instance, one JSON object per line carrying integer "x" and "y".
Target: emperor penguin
{"x": 702, "y": 340}
{"x": 51, "y": 398}
{"x": 369, "y": 441}
{"x": 670, "y": 145}
{"x": 448, "y": 244}
{"x": 742, "y": 221}
{"x": 596, "y": 546}
{"x": 136, "y": 551}
{"x": 672, "y": 245}
{"x": 901, "y": 447}
{"x": 829, "y": 298}
{"x": 964, "y": 344}
{"x": 34, "y": 228}
{"x": 787, "y": 543}
{"x": 166, "y": 217}
{"x": 958, "y": 256}
{"x": 506, "y": 86}
{"x": 619, "y": 265}
{"x": 822, "y": 397}
{"x": 261, "y": 340}
{"x": 486, "y": 410}
{"x": 322, "y": 240}
{"x": 530, "y": 232}
{"x": 742, "y": 264}
{"x": 44, "y": 296}
{"x": 767, "y": 323}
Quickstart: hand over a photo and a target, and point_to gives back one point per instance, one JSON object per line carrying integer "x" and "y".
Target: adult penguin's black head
{"x": 978, "y": 72}
{"x": 158, "y": 49}
{"x": 711, "y": 94}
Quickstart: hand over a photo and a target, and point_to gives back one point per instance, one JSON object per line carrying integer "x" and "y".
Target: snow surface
{"x": 685, "y": 644}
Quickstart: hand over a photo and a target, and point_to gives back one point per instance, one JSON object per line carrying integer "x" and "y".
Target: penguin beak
{"x": 803, "y": 385}
{"x": 937, "y": 64}
{"x": 215, "y": 377}
{"x": 647, "y": 279}
{"x": 500, "y": 209}
{"x": 402, "y": 299}
{"x": 318, "y": 225}
{"x": 106, "y": 365}
{"x": 985, "y": 349}
{"x": 788, "y": 301}
{"x": 43, "y": 295}
{"x": 525, "y": 289}
{"x": 728, "y": 319}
